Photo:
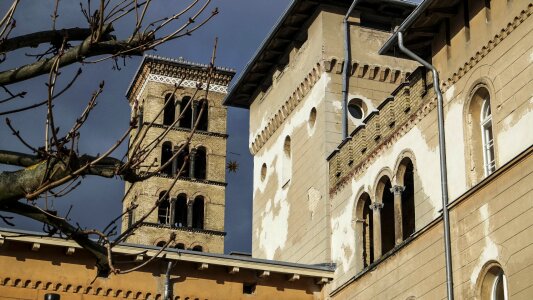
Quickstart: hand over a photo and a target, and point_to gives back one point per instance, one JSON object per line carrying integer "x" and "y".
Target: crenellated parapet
{"x": 409, "y": 103}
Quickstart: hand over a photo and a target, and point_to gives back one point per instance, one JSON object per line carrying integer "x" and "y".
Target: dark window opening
{"x": 186, "y": 112}
{"x": 163, "y": 212}
{"x": 198, "y": 213}
{"x": 248, "y": 288}
{"x": 368, "y": 231}
{"x": 130, "y": 218}
{"x": 197, "y": 248}
{"x": 408, "y": 201}
{"x": 203, "y": 116}
{"x": 180, "y": 211}
{"x": 160, "y": 244}
{"x": 200, "y": 163}
{"x": 180, "y": 246}
{"x": 170, "y": 110}
{"x": 166, "y": 155}
{"x": 183, "y": 162}
{"x": 387, "y": 217}
{"x": 141, "y": 117}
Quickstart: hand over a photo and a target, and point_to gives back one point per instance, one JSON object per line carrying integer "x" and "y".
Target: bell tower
{"x": 179, "y": 142}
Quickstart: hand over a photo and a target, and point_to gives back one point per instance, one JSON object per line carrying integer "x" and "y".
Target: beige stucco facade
{"x": 32, "y": 266}
{"x": 303, "y": 104}
{"x": 295, "y": 120}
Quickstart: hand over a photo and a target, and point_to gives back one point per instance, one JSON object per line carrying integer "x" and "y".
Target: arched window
{"x": 198, "y": 213}
{"x": 200, "y": 163}
{"x": 408, "y": 198}
{"x": 286, "y": 162}
{"x": 387, "y": 215}
{"x": 160, "y": 244}
{"x": 487, "y": 137}
{"x": 183, "y": 161}
{"x": 185, "y": 112}
{"x": 166, "y": 155}
{"x": 197, "y": 248}
{"x": 163, "y": 211}
{"x": 169, "y": 110}
{"x": 204, "y": 116}
{"x": 180, "y": 246}
{"x": 479, "y": 136}
{"x": 180, "y": 211}
{"x": 494, "y": 284}
{"x": 365, "y": 229}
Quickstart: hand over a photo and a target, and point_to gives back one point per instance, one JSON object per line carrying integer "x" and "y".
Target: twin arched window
{"x": 188, "y": 164}
{"x": 190, "y": 112}
{"x": 179, "y": 212}
{"x": 386, "y": 222}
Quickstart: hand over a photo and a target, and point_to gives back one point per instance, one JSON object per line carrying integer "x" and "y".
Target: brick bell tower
{"x": 194, "y": 207}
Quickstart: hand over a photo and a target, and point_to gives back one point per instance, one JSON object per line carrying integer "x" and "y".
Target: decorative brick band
{"x": 200, "y": 132}
{"x": 188, "y": 229}
{"x": 281, "y": 115}
{"x": 396, "y": 116}
{"x": 65, "y": 287}
{"x": 205, "y": 181}
{"x": 485, "y": 50}
{"x": 367, "y": 71}
{"x": 223, "y": 89}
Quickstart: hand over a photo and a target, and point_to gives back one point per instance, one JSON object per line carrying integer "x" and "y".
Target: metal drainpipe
{"x": 168, "y": 285}
{"x": 345, "y": 69}
{"x": 443, "y": 168}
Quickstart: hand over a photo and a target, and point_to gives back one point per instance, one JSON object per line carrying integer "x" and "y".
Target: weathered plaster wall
{"x": 372, "y": 78}
{"x": 490, "y": 225}
{"x": 289, "y": 217}
{"x": 427, "y": 194}
{"x": 506, "y": 71}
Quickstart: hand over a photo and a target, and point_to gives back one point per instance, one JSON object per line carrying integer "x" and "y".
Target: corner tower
{"x": 185, "y": 145}
{"x": 293, "y": 89}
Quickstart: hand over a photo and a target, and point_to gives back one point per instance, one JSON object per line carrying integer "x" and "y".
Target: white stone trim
{"x": 185, "y": 83}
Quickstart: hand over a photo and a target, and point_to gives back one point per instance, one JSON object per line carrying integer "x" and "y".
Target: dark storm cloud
{"x": 240, "y": 27}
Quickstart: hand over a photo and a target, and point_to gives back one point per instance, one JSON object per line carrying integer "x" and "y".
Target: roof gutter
{"x": 443, "y": 168}
{"x": 405, "y": 25}
{"x": 346, "y": 69}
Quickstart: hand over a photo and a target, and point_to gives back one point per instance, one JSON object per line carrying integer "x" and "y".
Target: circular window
{"x": 263, "y": 171}
{"x": 357, "y": 108}
{"x": 312, "y": 117}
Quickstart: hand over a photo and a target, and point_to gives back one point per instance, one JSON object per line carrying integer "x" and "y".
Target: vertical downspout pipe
{"x": 168, "y": 285}
{"x": 346, "y": 69}
{"x": 443, "y": 168}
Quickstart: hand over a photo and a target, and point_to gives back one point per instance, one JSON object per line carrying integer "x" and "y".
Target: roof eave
{"x": 392, "y": 42}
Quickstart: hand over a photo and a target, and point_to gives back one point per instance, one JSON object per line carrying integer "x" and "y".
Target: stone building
{"x": 160, "y": 95}
{"x": 338, "y": 214}
{"x": 370, "y": 202}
